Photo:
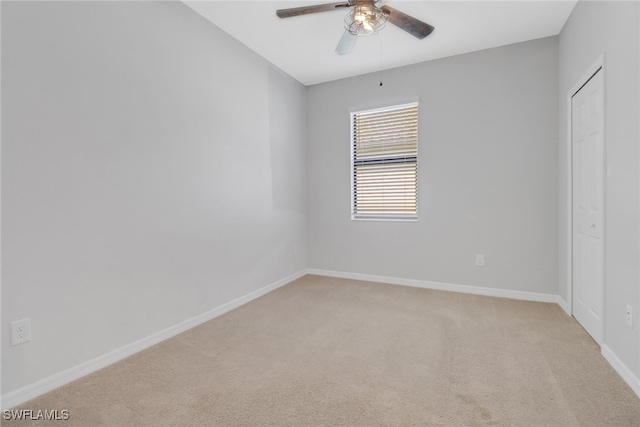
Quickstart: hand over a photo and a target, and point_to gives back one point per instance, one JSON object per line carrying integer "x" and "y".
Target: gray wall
{"x": 488, "y": 179}
{"x": 609, "y": 28}
{"x": 152, "y": 169}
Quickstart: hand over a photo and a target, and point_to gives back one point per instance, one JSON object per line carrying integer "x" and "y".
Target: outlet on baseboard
{"x": 479, "y": 260}
{"x": 628, "y": 315}
{"x": 20, "y": 331}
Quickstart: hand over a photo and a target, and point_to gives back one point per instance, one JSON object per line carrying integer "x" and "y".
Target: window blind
{"x": 385, "y": 162}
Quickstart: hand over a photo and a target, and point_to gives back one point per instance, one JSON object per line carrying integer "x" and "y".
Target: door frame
{"x": 598, "y": 65}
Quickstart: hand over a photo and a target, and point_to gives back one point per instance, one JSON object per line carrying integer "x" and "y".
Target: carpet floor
{"x": 326, "y": 351}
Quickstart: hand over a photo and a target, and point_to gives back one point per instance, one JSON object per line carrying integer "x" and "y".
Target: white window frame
{"x": 379, "y": 217}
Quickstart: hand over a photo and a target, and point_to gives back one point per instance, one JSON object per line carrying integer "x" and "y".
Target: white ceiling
{"x": 304, "y": 46}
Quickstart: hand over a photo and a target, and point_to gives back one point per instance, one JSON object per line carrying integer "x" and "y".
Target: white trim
{"x": 450, "y": 287}
{"x": 569, "y": 201}
{"x": 386, "y": 105}
{"x": 622, "y": 369}
{"x": 54, "y": 381}
{"x": 564, "y": 305}
{"x": 599, "y": 64}
{"x": 380, "y": 217}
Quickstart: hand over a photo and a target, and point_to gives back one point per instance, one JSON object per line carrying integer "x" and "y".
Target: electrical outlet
{"x": 479, "y": 260}
{"x": 20, "y": 331}
{"x": 628, "y": 315}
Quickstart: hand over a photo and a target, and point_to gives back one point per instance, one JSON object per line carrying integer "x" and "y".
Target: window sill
{"x": 398, "y": 218}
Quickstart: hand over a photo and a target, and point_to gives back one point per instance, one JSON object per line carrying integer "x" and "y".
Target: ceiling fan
{"x": 364, "y": 19}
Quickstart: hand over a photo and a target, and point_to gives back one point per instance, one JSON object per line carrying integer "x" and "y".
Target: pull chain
{"x": 380, "y": 40}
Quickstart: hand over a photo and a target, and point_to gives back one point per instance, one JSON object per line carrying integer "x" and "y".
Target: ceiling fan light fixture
{"x": 365, "y": 19}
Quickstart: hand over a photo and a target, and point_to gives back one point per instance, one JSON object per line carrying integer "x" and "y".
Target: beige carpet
{"x": 324, "y": 351}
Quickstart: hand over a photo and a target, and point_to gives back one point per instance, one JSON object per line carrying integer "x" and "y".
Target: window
{"x": 384, "y": 163}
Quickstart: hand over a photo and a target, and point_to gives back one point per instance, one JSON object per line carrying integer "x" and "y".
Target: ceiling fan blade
{"x": 346, "y": 43}
{"x": 305, "y": 10}
{"x": 411, "y": 25}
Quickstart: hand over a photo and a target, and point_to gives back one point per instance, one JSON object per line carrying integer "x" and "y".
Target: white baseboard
{"x": 466, "y": 289}
{"x": 621, "y": 369}
{"x": 54, "y": 381}
{"x": 564, "y": 305}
